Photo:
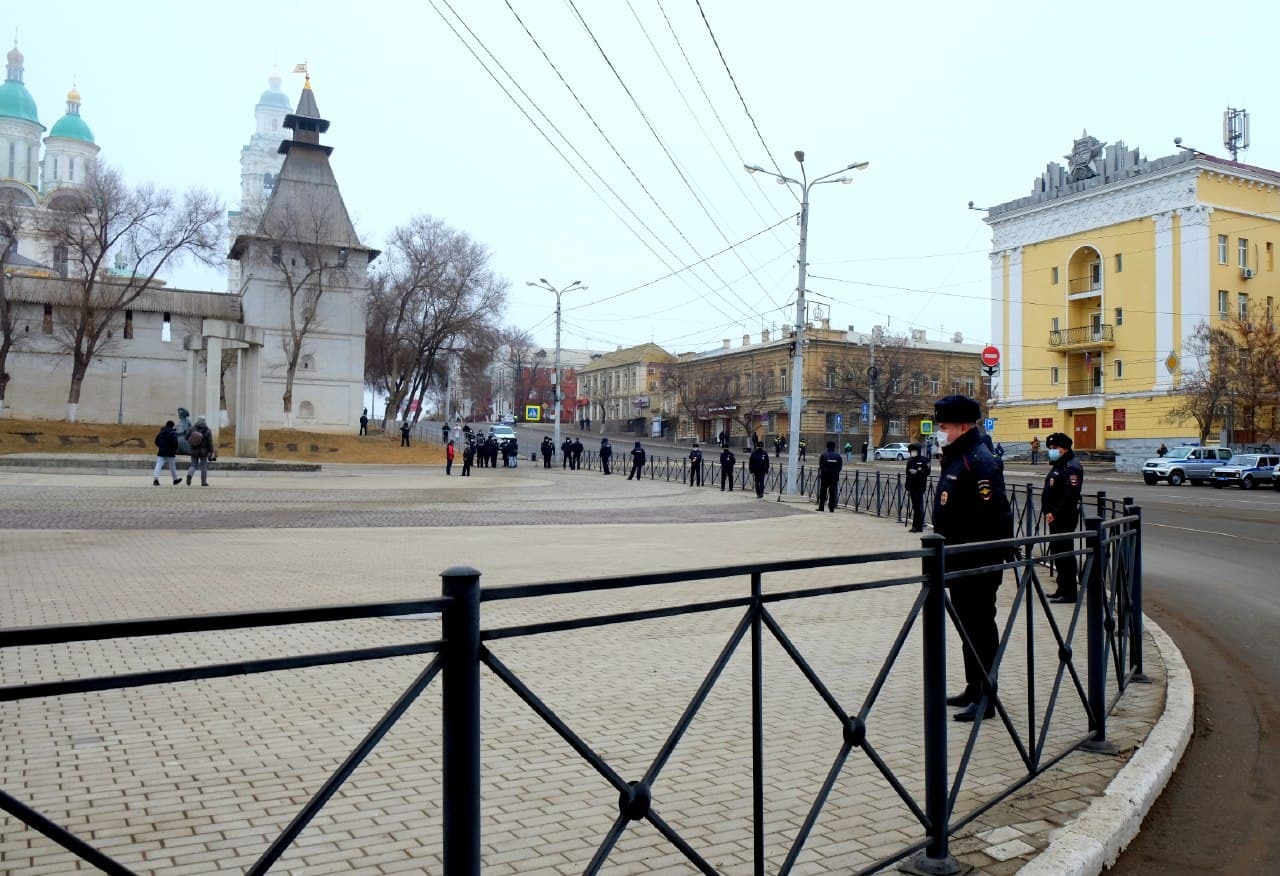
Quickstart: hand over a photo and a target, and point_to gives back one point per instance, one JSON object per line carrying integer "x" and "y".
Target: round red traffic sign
{"x": 990, "y": 357}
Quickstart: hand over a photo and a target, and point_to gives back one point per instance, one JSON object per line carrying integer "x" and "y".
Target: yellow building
{"x": 1103, "y": 273}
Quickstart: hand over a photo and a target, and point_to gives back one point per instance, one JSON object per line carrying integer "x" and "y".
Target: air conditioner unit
{"x": 1247, "y": 273}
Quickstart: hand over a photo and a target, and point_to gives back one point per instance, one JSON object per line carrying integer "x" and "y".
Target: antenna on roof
{"x": 1235, "y": 131}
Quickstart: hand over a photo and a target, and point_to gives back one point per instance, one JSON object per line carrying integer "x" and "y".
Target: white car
{"x": 503, "y": 433}
{"x": 896, "y": 450}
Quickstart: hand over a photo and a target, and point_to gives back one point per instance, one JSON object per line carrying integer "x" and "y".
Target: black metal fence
{"x": 1108, "y": 618}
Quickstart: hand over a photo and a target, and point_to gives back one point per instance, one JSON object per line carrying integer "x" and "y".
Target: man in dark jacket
{"x": 917, "y": 481}
{"x": 637, "y": 463}
{"x": 565, "y": 447}
{"x": 548, "y": 450}
{"x": 166, "y": 453}
{"x": 1061, "y": 506}
{"x": 758, "y": 465}
{"x": 576, "y": 450}
{"x": 695, "y": 466}
{"x": 970, "y": 505}
{"x": 201, "y": 449}
{"x": 829, "y": 465}
{"x": 727, "y": 462}
{"x": 606, "y": 456}
{"x": 468, "y": 454}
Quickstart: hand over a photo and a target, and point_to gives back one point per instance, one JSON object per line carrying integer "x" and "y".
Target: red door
{"x": 1085, "y": 430}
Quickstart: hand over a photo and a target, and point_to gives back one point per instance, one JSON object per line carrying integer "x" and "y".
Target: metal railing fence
{"x": 1110, "y": 615}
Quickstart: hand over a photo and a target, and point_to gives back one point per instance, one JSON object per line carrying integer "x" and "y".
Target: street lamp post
{"x": 124, "y": 374}
{"x": 555, "y": 386}
{"x": 797, "y": 354}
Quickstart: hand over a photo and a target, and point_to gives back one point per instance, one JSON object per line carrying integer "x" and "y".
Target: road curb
{"x": 1095, "y": 840}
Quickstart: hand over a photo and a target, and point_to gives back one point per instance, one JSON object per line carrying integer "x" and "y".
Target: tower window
{"x": 47, "y": 324}
{"x": 166, "y": 329}
{"x": 277, "y": 254}
{"x": 128, "y": 325}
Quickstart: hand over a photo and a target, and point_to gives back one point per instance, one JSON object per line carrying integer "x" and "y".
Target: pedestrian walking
{"x": 166, "y": 453}
{"x": 695, "y": 466}
{"x": 758, "y": 465}
{"x": 970, "y": 505}
{"x": 864, "y": 451}
{"x": 727, "y": 462}
{"x": 200, "y": 440}
{"x": 448, "y": 457}
{"x": 829, "y": 465}
{"x": 404, "y": 433}
{"x": 1161, "y": 450}
{"x": 800, "y": 448}
{"x": 777, "y": 446}
{"x": 916, "y": 481}
{"x": 364, "y": 422}
{"x": 468, "y": 454}
{"x": 1035, "y": 449}
{"x": 848, "y": 451}
{"x": 606, "y": 456}
{"x": 1060, "y": 503}
{"x": 444, "y": 431}
{"x": 637, "y": 462}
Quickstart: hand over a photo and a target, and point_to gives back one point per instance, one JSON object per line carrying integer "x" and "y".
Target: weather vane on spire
{"x": 302, "y": 68}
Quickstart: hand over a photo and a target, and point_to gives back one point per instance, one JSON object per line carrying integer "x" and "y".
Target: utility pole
{"x": 555, "y": 385}
{"x": 797, "y": 347}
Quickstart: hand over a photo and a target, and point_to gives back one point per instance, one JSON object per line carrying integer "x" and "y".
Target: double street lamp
{"x": 555, "y": 387}
{"x": 797, "y": 355}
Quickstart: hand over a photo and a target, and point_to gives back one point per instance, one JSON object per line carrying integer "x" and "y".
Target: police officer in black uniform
{"x": 829, "y": 465}
{"x": 1061, "y": 506}
{"x": 758, "y": 465}
{"x": 727, "y": 462}
{"x": 917, "y": 480}
{"x": 970, "y": 505}
{"x": 695, "y": 466}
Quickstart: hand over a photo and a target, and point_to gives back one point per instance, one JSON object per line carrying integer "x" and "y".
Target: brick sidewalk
{"x": 198, "y": 777}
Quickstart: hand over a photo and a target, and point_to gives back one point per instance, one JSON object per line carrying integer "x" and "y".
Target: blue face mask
{"x": 1054, "y": 454}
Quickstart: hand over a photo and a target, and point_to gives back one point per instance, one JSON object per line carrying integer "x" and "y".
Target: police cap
{"x": 956, "y": 409}
{"x": 1058, "y": 439}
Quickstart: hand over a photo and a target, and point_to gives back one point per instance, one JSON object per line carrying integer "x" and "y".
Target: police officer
{"x": 970, "y": 505}
{"x": 829, "y": 465}
{"x": 917, "y": 480}
{"x": 727, "y": 462}
{"x": 695, "y": 466}
{"x": 606, "y": 456}
{"x": 548, "y": 450}
{"x": 1061, "y": 506}
{"x": 637, "y": 463}
{"x": 758, "y": 465}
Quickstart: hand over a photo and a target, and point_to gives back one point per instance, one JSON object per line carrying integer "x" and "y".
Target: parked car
{"x": 503, "y": 433}
{"x": 1186, "y": 463}
{"x": 896, "y": 450}
{"x": 1247, "y": 471}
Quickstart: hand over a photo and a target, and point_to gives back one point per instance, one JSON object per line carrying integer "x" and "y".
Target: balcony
{"x": 1095, "y": 337}
{"x": 1084, "y": 386}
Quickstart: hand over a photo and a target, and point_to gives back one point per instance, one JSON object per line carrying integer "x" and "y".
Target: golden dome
{"x": 73, "y": 95}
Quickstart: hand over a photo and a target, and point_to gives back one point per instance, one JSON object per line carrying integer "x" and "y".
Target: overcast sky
{"x": 950, "y": 102}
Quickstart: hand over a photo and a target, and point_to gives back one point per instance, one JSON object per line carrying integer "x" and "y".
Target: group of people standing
{"x": 169, "y": 441}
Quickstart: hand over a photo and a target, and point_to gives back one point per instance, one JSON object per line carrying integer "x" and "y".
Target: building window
{"x": 1055, "y": 275}
{"x": 47, "y": 324}
{"x": 895, "y": 427}
{"x": 277, "y": 254}
{"x": 1053, "y": 375}
{"x": 1270, "y": 308}
{"x": 968, "y": 386}
{"x": 60, "y": 260}
{"x": 306, "y": 410}
{"x": 915, "y": 385}
{"x": 13, "y": 161}
{"x": 1119, "y": 369}
{"x": 1119, "y": 316}
{"x": 1222, "y": 249}
{"x": 1095, "y": 275}
{"x": 830, "y": 380}
{"x": 1242, "y": 252}
{"x": 1271, "y": 257}
{"x": 1242, "y": 300}
{"x": 128, "y": 325}
{"x": 1119, "y": 263}
{"x": 933, "y": 385}
{"x": 1054, "y": 325}
{"x": 342, "y": 263}
{"x": 166, "y": 329}
{"x": 1224, "y": 304}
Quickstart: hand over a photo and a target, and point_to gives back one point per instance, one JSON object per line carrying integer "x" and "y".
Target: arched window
{"x": 308, "y": 362}
{"x": 307, "y": 410}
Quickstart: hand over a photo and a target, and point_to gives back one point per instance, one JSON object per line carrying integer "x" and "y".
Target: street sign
{"x": 926, "y": 427}
{"x": 839, "y": 422}
{"x": 990, "y": 356}
{"x": 988, "y": 424}
{"x": 533, "y": 413}
{"x": 866, "y": 412}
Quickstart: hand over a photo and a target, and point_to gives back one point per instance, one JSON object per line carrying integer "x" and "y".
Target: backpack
{"x": 195, "y": 439}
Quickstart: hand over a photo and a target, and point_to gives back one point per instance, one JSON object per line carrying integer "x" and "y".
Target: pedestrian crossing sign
{"x": 533, "y": 413}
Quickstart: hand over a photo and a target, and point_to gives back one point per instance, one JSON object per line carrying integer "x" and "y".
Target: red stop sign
{"x": 990, "y": 357}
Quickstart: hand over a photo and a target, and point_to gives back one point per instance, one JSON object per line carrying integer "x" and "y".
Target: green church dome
{"x": 72, "y": 127}
{"x": 17, "y": 103}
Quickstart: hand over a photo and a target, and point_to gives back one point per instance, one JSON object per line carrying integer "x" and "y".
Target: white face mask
{"x": 943, "y": 439}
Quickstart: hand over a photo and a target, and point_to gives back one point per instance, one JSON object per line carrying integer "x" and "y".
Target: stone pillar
{"x": 193, "y": 377}
{"x": 247, "y": 377}
{"x": 212, "y": 371}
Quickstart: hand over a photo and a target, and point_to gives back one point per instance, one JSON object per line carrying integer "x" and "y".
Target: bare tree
{"x": 752, "y": 394}
{"x": 1253, "y": 391}
{"x": 435, "y": 295}
{"x": 897, "y": 386}
{"x": 10, "y": 228}
{"x": 145, "y": 229}
{"x": 1204, "y": 389}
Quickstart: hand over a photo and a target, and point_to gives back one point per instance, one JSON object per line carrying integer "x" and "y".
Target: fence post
{"x": 460, "y": 626}
{"x": 1102, "y": 504}
{"x": 1029, "y": 513}
{"x": 1097, "y": 638}
{"x": 1135, "y": 598}
{"x": 936, "y": 859}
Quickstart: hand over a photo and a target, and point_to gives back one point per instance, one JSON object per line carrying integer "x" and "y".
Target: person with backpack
{"x": 200, "y": 440}
{"x": 166, "y": 453}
